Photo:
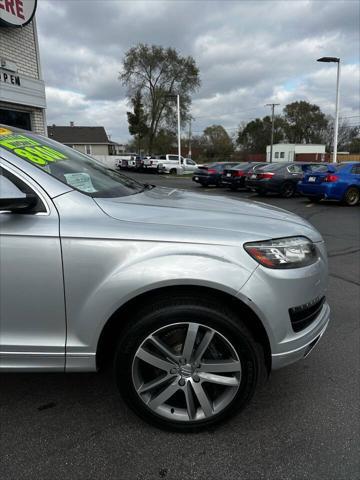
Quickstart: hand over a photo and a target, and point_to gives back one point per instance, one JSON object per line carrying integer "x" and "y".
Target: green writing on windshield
{"x": 31, "y": 149}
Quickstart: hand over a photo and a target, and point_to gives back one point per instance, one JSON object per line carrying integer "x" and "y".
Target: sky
{"x": 249, "y": 53}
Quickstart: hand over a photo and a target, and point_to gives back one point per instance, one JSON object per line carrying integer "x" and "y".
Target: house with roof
{"x": 90, "y": 140}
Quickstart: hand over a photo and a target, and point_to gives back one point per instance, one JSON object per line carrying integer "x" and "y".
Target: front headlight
{"x": 290, "y": 252}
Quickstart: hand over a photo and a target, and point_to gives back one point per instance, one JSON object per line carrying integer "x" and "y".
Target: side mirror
{"x": 12, "y": 199}
{"x": 18, "y": 204}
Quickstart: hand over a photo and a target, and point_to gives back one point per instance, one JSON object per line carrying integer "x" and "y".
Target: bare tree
{"x": 160, "y": 73}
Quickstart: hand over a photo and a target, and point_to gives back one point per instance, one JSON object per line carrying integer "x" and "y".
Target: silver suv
{"x": 193, "y": 299}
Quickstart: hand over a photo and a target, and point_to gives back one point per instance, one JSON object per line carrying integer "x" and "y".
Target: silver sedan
{"x": 192, "y": 299}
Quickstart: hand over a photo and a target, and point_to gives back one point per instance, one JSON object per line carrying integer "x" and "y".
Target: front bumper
{"x": 280, "y": 360}
{"x": 271, "y": 293}
{"x": 199, "y": 179}
{"x": 206, "y": 179}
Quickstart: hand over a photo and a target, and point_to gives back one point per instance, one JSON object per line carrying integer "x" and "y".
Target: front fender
{"x": 121, "y": 271}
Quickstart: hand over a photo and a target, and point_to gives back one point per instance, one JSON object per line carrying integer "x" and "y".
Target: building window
{"x": 14, "y": 118}
{"x": 276, "y": 154}
{"x": 282, "y": 154}
{"x": 88, "y": 149}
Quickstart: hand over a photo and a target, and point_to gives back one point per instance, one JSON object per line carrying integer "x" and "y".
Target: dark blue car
{"x": 340, "y": 182}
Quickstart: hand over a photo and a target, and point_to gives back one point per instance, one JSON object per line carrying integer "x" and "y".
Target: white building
{"x": 22, "y": 90}
{"x": 287, "y": 152}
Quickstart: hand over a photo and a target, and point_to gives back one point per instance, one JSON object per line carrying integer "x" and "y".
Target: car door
{"x": 190, "y": 165}
{"x": 32, "y": 306}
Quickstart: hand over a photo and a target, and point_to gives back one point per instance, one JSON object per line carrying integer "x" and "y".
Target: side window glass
{"x": 8, "y": 189}
{"x": 294, "y": 169}
{"x": 12, "y": 187}
{"x": 356, "y": 169}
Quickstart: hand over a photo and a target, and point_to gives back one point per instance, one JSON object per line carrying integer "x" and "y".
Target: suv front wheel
{"x": 186, "y": 364}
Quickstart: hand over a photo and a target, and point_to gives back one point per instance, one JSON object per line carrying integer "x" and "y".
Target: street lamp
{"x": 336, "y": 128}
{"x": 178, "y": 123}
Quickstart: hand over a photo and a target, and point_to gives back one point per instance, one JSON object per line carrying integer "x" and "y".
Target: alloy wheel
{"x": 186, "y": 372}
{"x": 352, "y": 196}
{"x": 287, "y": 190}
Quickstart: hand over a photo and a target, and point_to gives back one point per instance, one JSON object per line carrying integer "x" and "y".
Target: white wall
{"x": 310, "y": 148}
{"x": 285, "y": 152}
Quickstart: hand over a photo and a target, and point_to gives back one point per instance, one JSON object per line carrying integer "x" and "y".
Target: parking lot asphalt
{"x": 303, "y": 424}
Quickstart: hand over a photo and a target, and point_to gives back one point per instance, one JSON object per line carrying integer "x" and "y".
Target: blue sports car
{"x": 340, "y": 182}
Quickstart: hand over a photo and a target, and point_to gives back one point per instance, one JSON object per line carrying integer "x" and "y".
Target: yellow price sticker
{"x": 5, "y": 131}
{"x": 31, "y": 150}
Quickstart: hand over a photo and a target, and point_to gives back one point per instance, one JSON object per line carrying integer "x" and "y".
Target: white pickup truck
{"x": 128, "y": 161}
{"x": 169, "y": 164}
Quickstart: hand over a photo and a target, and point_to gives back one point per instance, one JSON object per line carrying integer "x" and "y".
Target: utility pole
{"x": 272, "y": 105}
{"x": 189, "y": 153}
{"x": 179, "y": 129}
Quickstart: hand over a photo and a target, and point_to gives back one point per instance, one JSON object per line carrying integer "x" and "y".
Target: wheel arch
{"x": 118, "y": 321}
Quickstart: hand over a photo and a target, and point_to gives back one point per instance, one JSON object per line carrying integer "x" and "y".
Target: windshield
{"x": 71, "y": 167}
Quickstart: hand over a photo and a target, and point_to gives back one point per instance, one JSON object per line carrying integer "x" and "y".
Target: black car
{"x": 279, "y": 178}
{"x": 211, "y": 174}
{"x": 234, "y": 177}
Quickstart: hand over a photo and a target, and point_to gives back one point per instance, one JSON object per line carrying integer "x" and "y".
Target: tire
{"x": 173, "y": 171}
{"x": 287, "y": 190}
{"x": 351, "y": 197}
{"x": 186, "y": 399}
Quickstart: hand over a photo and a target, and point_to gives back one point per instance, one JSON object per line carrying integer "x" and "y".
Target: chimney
{"x": 71, "y": 124}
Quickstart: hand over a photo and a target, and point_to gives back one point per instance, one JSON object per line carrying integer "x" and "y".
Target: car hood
{"x": 248, "y": 220}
